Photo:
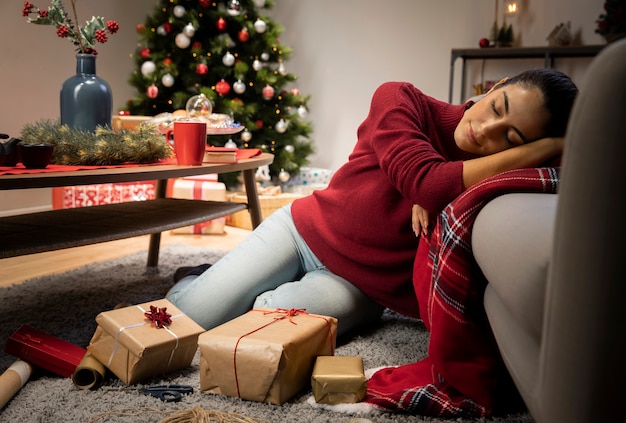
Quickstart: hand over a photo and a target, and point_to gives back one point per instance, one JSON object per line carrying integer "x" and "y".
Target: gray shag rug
{"x": 66, "y": 305}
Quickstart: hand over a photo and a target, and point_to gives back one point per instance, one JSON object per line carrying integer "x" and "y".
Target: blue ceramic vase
{"x": 86, "y": 99}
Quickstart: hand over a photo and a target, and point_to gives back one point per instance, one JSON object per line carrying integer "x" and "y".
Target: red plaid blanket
{"x": 460, "y": 375}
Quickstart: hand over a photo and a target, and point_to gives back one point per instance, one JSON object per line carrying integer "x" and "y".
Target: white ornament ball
{"x": 167, "y": 80}
{"x": 260, "y": 26}
{"x": 290, "y": 148}
{"x": 182, "y": 41}
{"x": 283, "y": 176}
{"x": 302, "y": 112}
{"x": 228, "y": 59}
{"x": 189, "y": 30}
{"x": 147, "y": 68}
{"x": 281, "y": 69}
{"x": 179, "y": 11}
{"x": 230, "y": 144}
{"x": 246, "y": 135}
{"x": 281, "y": 126}
{"x": 257, "y": 65}
{"x": 199, "y": 105}
{"x": 161, "y": 30}
{"x": 239, "y": 87}
{"x": 265, "y": 56}
{"x": 233, "y": 7}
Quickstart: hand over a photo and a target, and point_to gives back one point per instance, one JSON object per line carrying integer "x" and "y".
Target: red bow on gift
{"x": 159, "y": 316}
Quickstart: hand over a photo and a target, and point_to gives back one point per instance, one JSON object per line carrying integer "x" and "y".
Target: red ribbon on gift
{"x": 159, "y": 316}
{"x": 283, "y": 314}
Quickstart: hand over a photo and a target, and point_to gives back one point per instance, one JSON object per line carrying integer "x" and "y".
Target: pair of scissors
{"x": 168, "y": 393}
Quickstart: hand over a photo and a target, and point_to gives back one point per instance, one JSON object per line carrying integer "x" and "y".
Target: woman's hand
{"x": 419, "y": 220}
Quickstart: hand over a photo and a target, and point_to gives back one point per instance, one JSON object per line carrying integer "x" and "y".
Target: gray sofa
{"x": 557, "y": 291}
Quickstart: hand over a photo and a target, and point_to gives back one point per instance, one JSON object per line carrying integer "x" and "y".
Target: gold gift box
{"x": 134, "y": 349}
{"x": 264, "y": 355}
{"x": 337, "y": 380}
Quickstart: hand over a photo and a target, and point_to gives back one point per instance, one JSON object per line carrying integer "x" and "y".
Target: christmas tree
{"x": 230, "y": 52}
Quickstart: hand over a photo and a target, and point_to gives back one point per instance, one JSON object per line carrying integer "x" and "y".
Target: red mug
{"x": 189, "y": 142}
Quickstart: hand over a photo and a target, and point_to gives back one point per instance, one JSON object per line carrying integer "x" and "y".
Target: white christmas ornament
{"x": 302, "y": 111}
{"x": 228, "y": 59}
{"x": 147, "y": 68}
{"x": 167, "y": 80}
{"x": 246, "y": 136}
{"x": 260, "y": 26}
{"x": 257, "y": 65}
{"x": 283, "y": 176}
{"x": 161, "y": 30}
{"x": 259, "y": 3}
{"x": 234, "y": 7}
{"x": 230, "y": 144}
{"x": 290, "y": 148}
{"x": 281, "y": 126}
{"x": 179, "y": 11}
{"x": 263, "y": 174}
{"x": 281, "y": 69}
{"x": 182, "y": 41}
{"x": 239, "y": 87}
{"x": 265, "y": 56}
{"x": 189, "y": 30}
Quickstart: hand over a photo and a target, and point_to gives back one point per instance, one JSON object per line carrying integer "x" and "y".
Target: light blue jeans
{"x": 272, "y": 268}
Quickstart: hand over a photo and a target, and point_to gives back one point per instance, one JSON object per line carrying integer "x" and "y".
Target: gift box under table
{"x": 264, "y": 355}
{"x": 134, "y": 348}
{"x": 203, "y": 187}
{"x": 44, "y": 350}
{"x": 338, "y": 379}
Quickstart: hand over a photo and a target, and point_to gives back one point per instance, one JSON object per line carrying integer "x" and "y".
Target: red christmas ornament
{"x": 197, "y": 45}
{"x": 152, "y": 91}
{"x": 145, "y": 53}
{"x": 484, "y": 42}
{"x": 295, "y": 91}
{"x": 268, "y": 92}
{"x": 124, "y": 113}
{"x": 259, "y": 124}
{"x": 205, "y": 3}
{"x": 222, "y": 87}
{"x": 167, "y": 61}
{"x": 167, "y": 27}
{"x": 221, "y": 24}
{"x": 202, "y": 69}
{"x": 243, "y": 35}
{"x": 140, "y": 27}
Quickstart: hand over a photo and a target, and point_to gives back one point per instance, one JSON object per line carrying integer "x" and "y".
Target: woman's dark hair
{"x": 559, "y": 92}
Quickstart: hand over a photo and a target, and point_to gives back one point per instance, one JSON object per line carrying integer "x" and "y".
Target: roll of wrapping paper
{"x": 89, "y": 373}
{"x": 13, "y": 379}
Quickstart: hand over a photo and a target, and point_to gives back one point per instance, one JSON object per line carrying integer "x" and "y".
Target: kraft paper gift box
{"x": 337, "y": 380}
{"x": 264, "y": 355}
{"x": 134, "y": 348}
{"x": 44, "y": 350}
{"x": 205, "y": 188}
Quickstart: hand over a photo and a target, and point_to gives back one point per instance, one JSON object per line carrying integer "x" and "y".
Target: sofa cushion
{"x": 512, "y": 244}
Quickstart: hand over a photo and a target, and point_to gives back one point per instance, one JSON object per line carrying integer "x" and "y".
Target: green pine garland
{"x": 105, "y": 146}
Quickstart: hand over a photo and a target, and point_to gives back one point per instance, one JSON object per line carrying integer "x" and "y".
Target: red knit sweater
{"x": 360, "y": 225}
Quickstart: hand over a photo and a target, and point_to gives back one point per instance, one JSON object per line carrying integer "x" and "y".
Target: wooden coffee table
{"x": 58, "y": 229}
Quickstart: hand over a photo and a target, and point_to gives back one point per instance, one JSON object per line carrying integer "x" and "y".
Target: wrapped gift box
{"x": 93, "y": 195}
{"x": 337, "y": 380}
{"x": 264, "y": 355}
{"x": 44, "y": 350}
{"x": 204, "y": 187}
{"x": 134, "y": 348}
{"x": 269, "y": 204}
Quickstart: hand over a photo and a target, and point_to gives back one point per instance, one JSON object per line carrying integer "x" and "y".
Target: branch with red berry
{"x": 94, "y": 31}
